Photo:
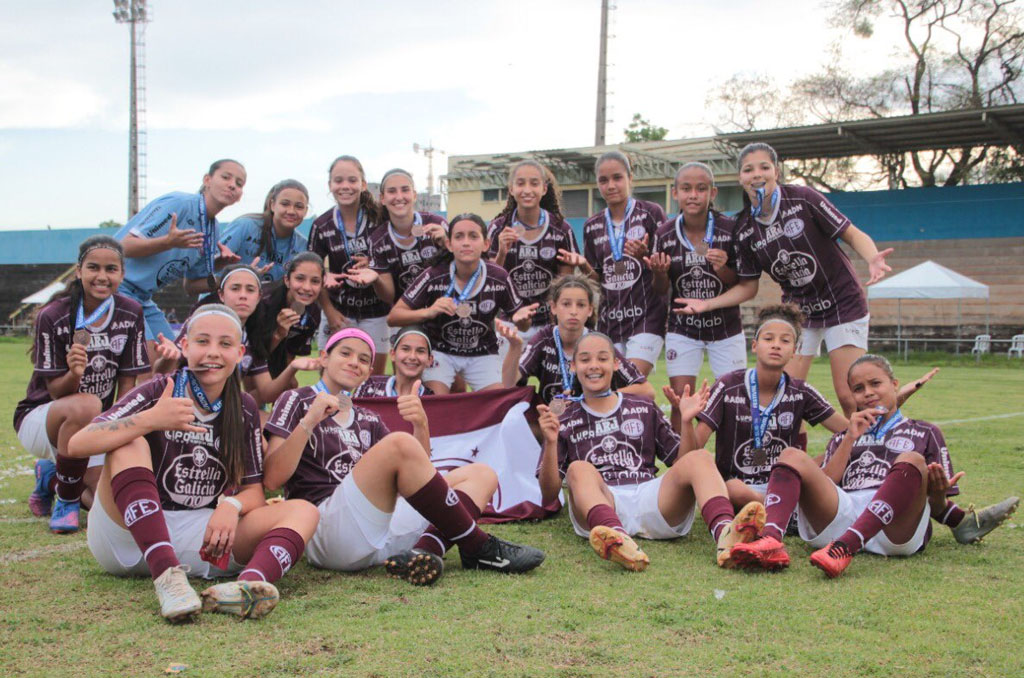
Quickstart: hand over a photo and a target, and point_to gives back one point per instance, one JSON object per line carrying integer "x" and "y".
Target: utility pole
{"x": 602, "y": 79}
{"x": 133, "y": 13}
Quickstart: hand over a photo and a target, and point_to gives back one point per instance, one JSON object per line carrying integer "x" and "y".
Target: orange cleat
{"x": 744, "y": 528}
{"x": 832, "y": 559}
{"x": 618, "y": 547}
{"x": 767, "y": 553}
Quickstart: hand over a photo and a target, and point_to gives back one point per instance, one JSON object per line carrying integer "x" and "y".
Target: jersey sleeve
{"x": 154, "y": 220}
{"x": 510, "y": 299}
{"x": 833, "y": 445}
{"x": 747, "y": 265}
{"x": 381, "y": 431}
{"x": 590, "y": 252}
{"x": 666, "y": 441}
{"x": 563, "y": 452}
{"x": 418, "y": 296}
{"x": 715, "y": 409}
{"x": 284, "y": 418}
{"x": 570, "y": 239}
{"x": 233, "y": 235}
{"x": 50, "y": 358}
{"x": 316, "y": 242}
{"x": 659, "y": 216}
{"x": 829, "y": 220}
{"x": 937, "y": 452}
{"x": 627, "y": 374}
{"x": 492, "y": 249}
{"x": 816, "y": 408}
{"x": 139, "y": 399}
{"x": 253, "y": 463}
{"x": 530, "y": 360}
{"x": 134, "y": 357}
{"x": 381, "y": 259}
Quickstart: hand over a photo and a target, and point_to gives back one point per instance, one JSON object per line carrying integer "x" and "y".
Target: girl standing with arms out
{"x": 792, "y": 233}
{"x": 410, "y": 355}
{"x": 159, "y": 252}
{"x": 456, "y": 301}
{"x": 615, "y": 242}
{"x": 694, "y": 257}
{"x": 574, "y": 300}
{"x": 181, "y": 485}
{"x": 342, "y": 237}
{"x": 528, "y": 235}
{"x": 269, "y": 240}
{"x": 407, "y": 240}
{"x": 342, "y": 458}
{"x": 89, "y": 348}
{"x": 604, "y": 448}
{"x": 294, "y": 311}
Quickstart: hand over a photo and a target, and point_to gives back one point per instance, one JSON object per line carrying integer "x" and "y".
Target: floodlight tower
{"x": 428, "y": 151}
{"x": 602, "y": 79}
{"x": 134, "y": 13}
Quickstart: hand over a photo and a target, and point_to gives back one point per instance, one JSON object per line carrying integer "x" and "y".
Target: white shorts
{"x": 684, "y": 355}
{"x": 637, "y": 508}
{"x": 479, "y": 371}
{"x": 114, "y": 549}
{"x": 854, "y": 333}
{"x": 377, "y": 328}
{"x": 851, "y": 505}
{"x": 353, "y": 534}
{"x": 644, "y": 346}
{"x": 34, "y": 438}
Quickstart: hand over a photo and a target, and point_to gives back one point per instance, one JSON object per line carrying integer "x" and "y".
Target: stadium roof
{"x": 997, "y": 126}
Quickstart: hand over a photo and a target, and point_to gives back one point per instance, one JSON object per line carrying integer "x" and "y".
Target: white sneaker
{"x": 178, "y": 600}
{"x": 247, "y": 599}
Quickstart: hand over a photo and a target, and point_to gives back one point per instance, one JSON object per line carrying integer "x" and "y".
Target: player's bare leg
{"x": 593, "y": 505}
{"x": 839, "y": 360}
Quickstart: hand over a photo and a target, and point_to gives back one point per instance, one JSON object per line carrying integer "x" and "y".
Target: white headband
{"x": 242, "y": 269}
{"x": 776, "y": 320}
{"x": 215, "y": 311}
{"x": 400, "y": 335}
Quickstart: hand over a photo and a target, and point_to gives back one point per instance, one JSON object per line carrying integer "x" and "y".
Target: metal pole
{"x": 602, "y": 79}
{"x": 133, "y": 127}
{"x": 958, "y": 326}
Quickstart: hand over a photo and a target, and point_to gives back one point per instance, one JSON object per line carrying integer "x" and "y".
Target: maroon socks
{"x": 895, "y": 495}
{"x": 780, "y": 500}
{"x": 951, "y": 515}
{"x": 137, "y": 498}
{"x": 603, "y": 514}
{"x": 274, "y": 555}
{"x": 433, "y": 541}
{"x": 717, "y": 512}
{"x": 70, "y": 477}
{"x": 441, "y": 506}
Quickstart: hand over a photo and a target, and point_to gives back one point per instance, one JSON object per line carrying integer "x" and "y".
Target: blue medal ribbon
{"x": 391, "y": 392}
{"x": 540, "y": 224}
{"x": 709, "y": 232}
{"x": 186, "y": 376}
{"x": 563, "y": 362}
{"x": 760, "y": 418}
{"x": 468, "y": 289}
{"x": 209, "y": 227}
{"x": 321, "y": 387}
{"x": 878, "y": 430}
{"x": 81, "y": 321}
{"x": 340, "y": 223}
{"x": 756, "y": 210}
{"x": 616, "y": 241}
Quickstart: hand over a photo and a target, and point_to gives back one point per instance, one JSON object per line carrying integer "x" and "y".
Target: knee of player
{"x": 403, "y": 444}
{"x": 913, "y": 458}
{"x": 482, "y": 474}
{"x": 84, "y": 407}
{"x": 792, "y": 456}
{"x": 303, "y": 515}
{"x": 695, "y": 459}
{"x": 578, "y": 470}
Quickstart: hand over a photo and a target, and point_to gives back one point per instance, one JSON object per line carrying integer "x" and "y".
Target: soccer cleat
{"x": 832, "y": 559}
{"x": 178, "y": 600}
{"x": 416, "y": 566}
{"x": 41, "y": 499}
{"x": 618, "y": 547}
{"x": 743, "y": 529}
{"x": 65, "y": 516}
{"x": 247, "y": 599}
{"x": 502, "y": 556}
{"x": 976, "y": 524}
{"x": 767, "y": 553}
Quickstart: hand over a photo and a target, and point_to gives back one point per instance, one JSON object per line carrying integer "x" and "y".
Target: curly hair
{"x": 550, "y": 201}
{"x": 784, "y": 312}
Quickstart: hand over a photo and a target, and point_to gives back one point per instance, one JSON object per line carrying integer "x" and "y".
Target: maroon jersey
{"x": 189, "y": 469}
{"x": 381, "y": 386}
{"x": 404, "y": 261}
{"x": 622, "y": 444}
{"x": 249, "y": 366}
{"x": 325, "y": 238}
{"x": 299, "y": 340}
{"x": 532, "y": 262}
{"x": 116, "y": 349}
{"x": 799, "y": 251}
{"x": 472, "y": 336}
{"x": 630, "y": 305}
{"x": 332, "y": 450}
{"x": 728, "y": 414}
{"x": 691, "y": 276}
{"x": 540, "y": 359}
{"x": 871, "y": 457}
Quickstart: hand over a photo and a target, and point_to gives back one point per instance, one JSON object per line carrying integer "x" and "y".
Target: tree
{"x": 110, "y": 223}
{"x": 643, "y": 130}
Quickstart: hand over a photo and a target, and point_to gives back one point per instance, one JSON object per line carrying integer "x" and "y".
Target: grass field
{"x": 951, "y": 611}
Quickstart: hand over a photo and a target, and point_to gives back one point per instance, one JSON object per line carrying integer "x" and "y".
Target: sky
{"x": 287, "y": 87}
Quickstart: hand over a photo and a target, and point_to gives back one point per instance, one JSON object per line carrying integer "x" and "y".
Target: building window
{"x": 495, "y": 194}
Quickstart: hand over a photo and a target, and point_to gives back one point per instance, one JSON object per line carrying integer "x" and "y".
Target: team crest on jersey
{"x": 487, "y": 305}
{"x": 785, "y": 419}
{"x": 547, "y": 252}
{"x": 364, "y": 438}
{"x": 171, "y": 271}
{"x": 899, "y": 444}
{"x": 867, "y": 458}
{"x": 634, "y": 428}
{"x": 636, "y": 233}
{"x": 671, "y": 354}
{"x": 429, "y": 251}
{"x": 98, "y": 362}
{"x": 793, "y": 227}
{"x": 118, "y": 342}
{"x": 797, "y": 267}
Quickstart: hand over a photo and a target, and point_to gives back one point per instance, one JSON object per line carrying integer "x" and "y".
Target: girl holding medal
{"x": 160, "y": 253}
{"x": 456, "y": 301}
{"x": 693, "y": 257}
{"x": 88, "y": 348}
{"x": 181, "y": 488}
{"x": 792, "y": 233}
{"x": 411, "y": 356}
{"x": 871, "y": 492}
{"x": 615, "y": 242}
{"x": 294, "y": 308}
{"x": 407, "y": 240}
{"x": 604, "y": 449}
{"x": 369, "y": 484}
{"x": 573, "y": 300}
{"x": 342, "y": 237}
{"x": 272, "y": 238}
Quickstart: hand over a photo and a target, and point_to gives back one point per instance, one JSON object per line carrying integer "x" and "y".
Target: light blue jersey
{"x": 242, "y": 236}
{"x": 146, "y": 275}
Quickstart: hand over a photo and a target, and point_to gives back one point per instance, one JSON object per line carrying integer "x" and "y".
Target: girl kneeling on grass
{"x": 604, "y": 448}
{"x": 342, "y": 458}
{"x": 182, "y": 481}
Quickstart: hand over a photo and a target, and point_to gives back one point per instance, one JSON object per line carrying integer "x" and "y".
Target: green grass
{"x": 952, "y": 611}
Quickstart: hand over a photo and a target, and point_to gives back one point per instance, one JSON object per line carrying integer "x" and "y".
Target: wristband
{"x": 224, "y": 499}
{"x": 309, "y": 432}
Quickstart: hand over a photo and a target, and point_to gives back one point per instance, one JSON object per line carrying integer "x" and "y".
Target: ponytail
{"x": 232, "y": 440}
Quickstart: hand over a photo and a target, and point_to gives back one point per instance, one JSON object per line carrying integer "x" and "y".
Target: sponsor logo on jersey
{"x": 139, "y": 509}
{"x": 789, "y": 211}
{"x": 605, "y": 426}
{"x": 195, "y": 478}
{"x": 463, "y": 333}
{"x": 827, "y": 209}
{"x": 620, "y": 314}
{"x": 126, "y": 408}
{"x": 797, "y": 267}
{"x": 621, "y": 281}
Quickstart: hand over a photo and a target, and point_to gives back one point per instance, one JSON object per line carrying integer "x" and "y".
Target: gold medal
{"x": 81, "y": 337}
{"x": 463, "y": 310}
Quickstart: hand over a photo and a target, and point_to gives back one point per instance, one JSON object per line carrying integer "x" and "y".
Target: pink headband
{"x": 351, "y": 333}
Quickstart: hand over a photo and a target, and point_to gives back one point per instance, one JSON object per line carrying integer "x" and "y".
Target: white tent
{"x": 45, "y": 294}
{"x": 929, "y": 280}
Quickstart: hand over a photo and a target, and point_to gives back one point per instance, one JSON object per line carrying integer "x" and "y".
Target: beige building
{"x": 478, "y": 183}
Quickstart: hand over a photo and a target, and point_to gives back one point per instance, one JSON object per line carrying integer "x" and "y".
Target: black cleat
{"x": 416, "y": 566}
{"x": 503, "y": 556}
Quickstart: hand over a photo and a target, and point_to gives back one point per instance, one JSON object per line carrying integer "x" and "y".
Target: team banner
{"x": 488, "y": 427}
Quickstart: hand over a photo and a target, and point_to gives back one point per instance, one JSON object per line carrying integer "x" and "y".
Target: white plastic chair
{"x": 982, "y": 344}
{"x": 1016, "y": 346}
